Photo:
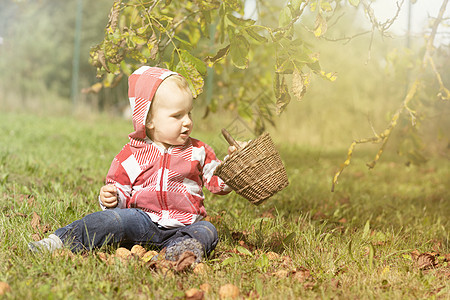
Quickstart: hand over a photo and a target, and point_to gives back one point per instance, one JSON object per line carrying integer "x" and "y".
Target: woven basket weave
{"x": 256, "y": 171}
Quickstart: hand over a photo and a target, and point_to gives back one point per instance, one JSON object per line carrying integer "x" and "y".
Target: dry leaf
{"x": 229, "y": 291}
{"x": 281, "y": 273}
{"x": 64, "y": 253}
{"x": 185, "y": 261}
{"x": 447, "y": 257}
{"x": 335, "y": 283}
{"x": 36, "y": 237}
{"x": 272, "y": 255}
{"x": 415, "y": 254}
{"x": 302, "y": 274}
{"x": 123, "y": 253}
{"x": 206, "y": 287}
{"x": 102, "y": 256}
{"x": 4, "y": 288}
{"x": 299, "y": 84}
{"x": 138, "y": 250}
{"x": 194, "y": 294}
{"x": 426, "y": 261}
{"x": 201, "y": 269}
{"x": 149, "y": 255}
{"x": 36, "y": 221}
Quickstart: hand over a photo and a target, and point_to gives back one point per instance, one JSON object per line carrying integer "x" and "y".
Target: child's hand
{"x": 108, "y": 196}
{"x": 232, "y": 149}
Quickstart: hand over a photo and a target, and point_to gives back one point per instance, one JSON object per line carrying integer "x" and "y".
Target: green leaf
{"x": 287, "y": 240}
{"x": 285, "y": 17}
{"x": 194, "y": 61}
{"x": 355, "y": 3}
{"x": 366, "y": 230}
{"x": 138, "y": 40}
{"x": 315, "y": 66}
{"x": 262, "y": 262}
{"x": 185, "y": 44}
{"x": 252, "y": 33}
{"x": 240, "y": 21}
{"x": 243, "y": 250}
{"x": 239, "y": 49}
{"x": 230, "y": 260}
{"x": 219, "y": 55}
{"x": 189, "y": 68}
{"x": 142, "y": 30}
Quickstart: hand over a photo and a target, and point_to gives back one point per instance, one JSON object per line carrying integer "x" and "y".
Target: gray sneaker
{"x": 50, "y": 244}
{"x": 174, "y": 251}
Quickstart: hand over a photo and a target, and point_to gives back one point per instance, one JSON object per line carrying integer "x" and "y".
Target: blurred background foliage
{"x": 36, "y": 61}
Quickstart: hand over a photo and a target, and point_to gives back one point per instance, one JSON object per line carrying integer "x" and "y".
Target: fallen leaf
{"x": 64, "y": 253}
{"x": 185, "y": 261}
{"x": 46, "y": 228}
{"x": 36, "y": 222}
{"x": 102, "y": 256}
{"x": 302, "y": 274}
{"x": 229, "y": 291}
{"x": 281, "y": 273}
{"x": 201, "y": 269}
{"x": 36, "y": 237}
{"x": 123, "y": 253}
{"x": 447, "y": 257}
{"x": 138, "y": 250}
{"x": 272, "y": 255}
{"x": 335, "y": 283}
{"x": 206, "y": 287}
{"x": 415, "y": 254}
{"x": 194, "y": 294}
{"x": 426, "y": 261}
{"x": 4, "y": 288}
{"x": 149, "y": 255}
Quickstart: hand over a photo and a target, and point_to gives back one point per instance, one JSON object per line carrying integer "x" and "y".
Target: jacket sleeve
{"x": 212, "y": 182}
{"x": 118, "y": 176}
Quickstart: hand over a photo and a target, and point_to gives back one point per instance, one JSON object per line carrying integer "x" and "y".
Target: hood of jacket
{"x": 142, "y": 86}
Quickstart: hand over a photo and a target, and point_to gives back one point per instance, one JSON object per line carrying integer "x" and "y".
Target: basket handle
{"x": 230, "y": 139}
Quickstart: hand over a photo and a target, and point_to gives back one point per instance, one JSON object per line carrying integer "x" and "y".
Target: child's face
{"x": 170, "y": 122}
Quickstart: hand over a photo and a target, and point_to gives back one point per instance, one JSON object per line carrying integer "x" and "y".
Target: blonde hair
{"x": 180, "y": 82}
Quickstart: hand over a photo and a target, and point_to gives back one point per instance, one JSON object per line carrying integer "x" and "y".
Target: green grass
{"x": 351, "y": 244}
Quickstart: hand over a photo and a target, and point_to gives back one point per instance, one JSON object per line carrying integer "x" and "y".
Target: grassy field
{"x": 383, "y": 233}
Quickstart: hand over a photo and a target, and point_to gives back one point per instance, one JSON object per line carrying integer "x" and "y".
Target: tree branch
{"x": 383, "y": 137}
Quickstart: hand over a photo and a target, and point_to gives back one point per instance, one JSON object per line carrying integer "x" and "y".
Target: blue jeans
{"x": 130, "y": 226}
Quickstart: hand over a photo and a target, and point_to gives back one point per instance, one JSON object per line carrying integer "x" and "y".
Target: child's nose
{"x": 187, "y": 121}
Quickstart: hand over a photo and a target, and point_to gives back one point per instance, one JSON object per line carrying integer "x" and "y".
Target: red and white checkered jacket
{"x": 165, "y": 183}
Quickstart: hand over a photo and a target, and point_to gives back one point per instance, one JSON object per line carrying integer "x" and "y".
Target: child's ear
{"x": 150, "y": 125}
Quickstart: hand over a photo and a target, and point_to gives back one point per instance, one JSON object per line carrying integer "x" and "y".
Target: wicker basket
{"x": 256, "y": 171}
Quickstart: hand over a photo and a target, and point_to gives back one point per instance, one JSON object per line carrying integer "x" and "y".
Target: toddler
{"x": 154, "y": 186}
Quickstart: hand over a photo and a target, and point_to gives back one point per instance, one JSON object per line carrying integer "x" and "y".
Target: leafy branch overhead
{"x": 189, "y": 36}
